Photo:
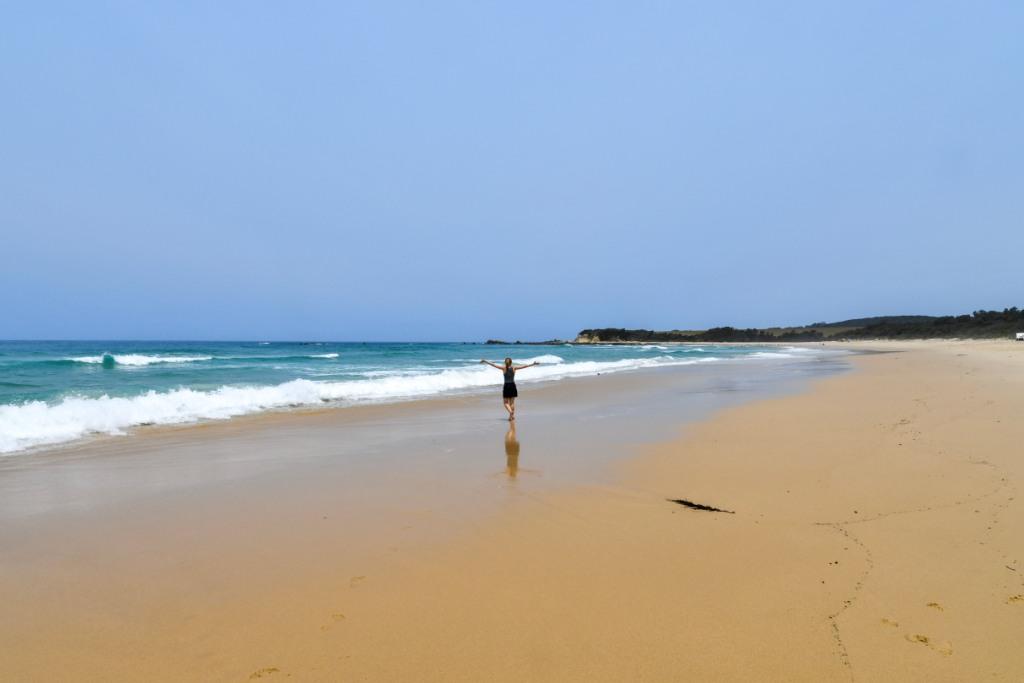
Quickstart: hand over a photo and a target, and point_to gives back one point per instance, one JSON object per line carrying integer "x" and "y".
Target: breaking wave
{"x": 140, "y": 360}
{"x": 37, "y": 423}
{"x": 41, "y": 423}
{"x": 136, "y": 359}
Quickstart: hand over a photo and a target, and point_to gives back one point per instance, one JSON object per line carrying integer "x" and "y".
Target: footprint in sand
{"x": 890, "y": 622}
{"x": 945, "y": 648}
{"x": 355, "y": 581}
{"x": 267, "y": 671}
{"x": 935, "y": 605}
{"x": 335, "y": 618}
{"x": 1013, "y": 599}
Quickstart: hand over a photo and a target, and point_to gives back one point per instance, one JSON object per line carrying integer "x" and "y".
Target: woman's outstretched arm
{"x": 493, "y": 365}
{"x": 522, "y": 367}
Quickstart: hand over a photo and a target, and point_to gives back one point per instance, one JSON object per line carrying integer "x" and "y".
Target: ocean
{"x": 55, "y": 392}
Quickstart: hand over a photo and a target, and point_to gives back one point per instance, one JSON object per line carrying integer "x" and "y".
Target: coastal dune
{"x": 868, "y": 529}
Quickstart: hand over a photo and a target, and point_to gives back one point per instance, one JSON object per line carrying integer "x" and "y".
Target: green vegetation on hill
{"x": 980, "y": 324}
{"x": 864, "y": 322}
{"x": 715, "y": 334}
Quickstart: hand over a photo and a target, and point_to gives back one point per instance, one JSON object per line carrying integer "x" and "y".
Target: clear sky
{"x": 448, "y": 171}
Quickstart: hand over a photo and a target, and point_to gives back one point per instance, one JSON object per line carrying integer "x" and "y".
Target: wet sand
{"x": 874, "y": 534}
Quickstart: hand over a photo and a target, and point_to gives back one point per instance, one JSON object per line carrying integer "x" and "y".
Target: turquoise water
{"x": 56, "y": 392}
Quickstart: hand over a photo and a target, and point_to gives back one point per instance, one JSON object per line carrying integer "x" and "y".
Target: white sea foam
{"x": 546, "y": 359}
{"x": 784, "y": 352}
{"x": 140, "y": 360}
{"x": 137, "y": 359}
{"x": 38, "y": 423}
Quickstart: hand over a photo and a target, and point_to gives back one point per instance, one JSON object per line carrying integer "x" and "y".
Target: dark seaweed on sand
{"x": 698, "y": 506}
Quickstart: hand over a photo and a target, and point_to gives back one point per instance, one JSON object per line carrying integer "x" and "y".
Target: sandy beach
{"x": 870, "y": 531}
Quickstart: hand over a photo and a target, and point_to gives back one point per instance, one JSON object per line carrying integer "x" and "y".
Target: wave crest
{"x": 135, "y": 359}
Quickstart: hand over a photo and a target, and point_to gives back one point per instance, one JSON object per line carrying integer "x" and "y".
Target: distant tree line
{"x": 979, "y": 324}
{"x": 715, "y": 334}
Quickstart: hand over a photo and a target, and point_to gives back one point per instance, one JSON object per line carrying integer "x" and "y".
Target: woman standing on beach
{"x": 509, "y": 393}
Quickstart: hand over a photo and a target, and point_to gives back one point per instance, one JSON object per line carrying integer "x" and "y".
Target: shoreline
{"x": 254, "y": 417}
{"x": 555, "y": 576}
{"x": 354, "y": 435}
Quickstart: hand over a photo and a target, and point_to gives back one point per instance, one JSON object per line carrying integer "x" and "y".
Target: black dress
{"x": 510, "y": 384}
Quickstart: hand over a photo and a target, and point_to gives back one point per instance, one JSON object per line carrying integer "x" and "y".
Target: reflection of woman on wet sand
{"x": 511, "y": 451}
{"x": 509, "y": 393}
{"x": 512, "y": 468}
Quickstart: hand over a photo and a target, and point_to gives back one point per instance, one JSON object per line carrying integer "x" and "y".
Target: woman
{"x": 509, "y": 393}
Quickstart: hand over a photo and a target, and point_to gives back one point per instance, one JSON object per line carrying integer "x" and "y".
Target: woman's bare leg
{"x": 512, "y": 409}
{"x": 508, "y": 407}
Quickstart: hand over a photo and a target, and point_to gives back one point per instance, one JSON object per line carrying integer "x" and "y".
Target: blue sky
{"x": 437, "y": 171}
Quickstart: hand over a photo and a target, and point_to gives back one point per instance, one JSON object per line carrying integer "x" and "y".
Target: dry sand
{"x": 874, "y": 535}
